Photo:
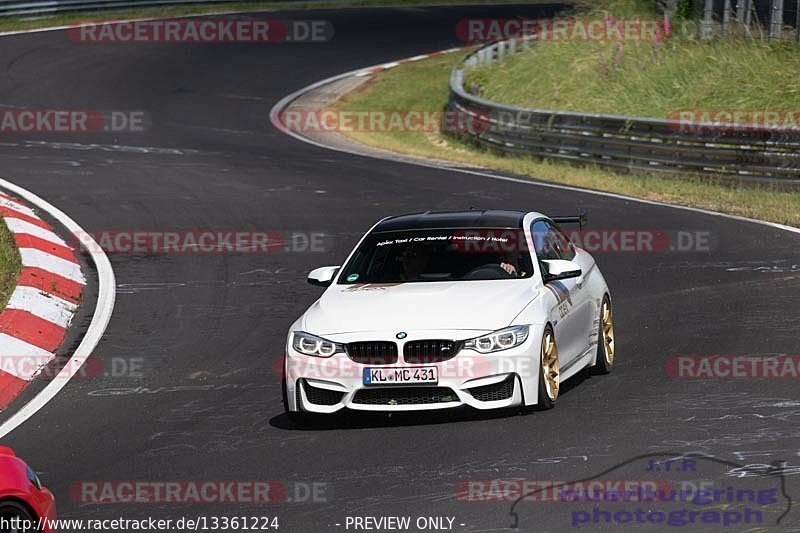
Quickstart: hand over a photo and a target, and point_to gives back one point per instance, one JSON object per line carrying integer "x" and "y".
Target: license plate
{"x": 402, "y": 376}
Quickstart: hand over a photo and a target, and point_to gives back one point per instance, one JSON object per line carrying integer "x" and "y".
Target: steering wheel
{"x": 489, "y": 271}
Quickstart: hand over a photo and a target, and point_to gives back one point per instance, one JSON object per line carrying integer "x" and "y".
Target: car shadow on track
{"x": 366, "y": 419}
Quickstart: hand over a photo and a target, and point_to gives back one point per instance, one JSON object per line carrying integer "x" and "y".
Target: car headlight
{"x": 502, "y": 339}
{"x": 308, "y": 344}
{"x": 34, "y": 479}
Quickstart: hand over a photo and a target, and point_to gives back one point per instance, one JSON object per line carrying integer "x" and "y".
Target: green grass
{"x": 423, "y": 85}
{"x": 64, "y": 19}
{"x": 646, "y": 79}
{"x": 10, "y": 264}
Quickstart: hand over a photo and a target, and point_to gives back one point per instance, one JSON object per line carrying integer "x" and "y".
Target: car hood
{"x": 473, "y": 305}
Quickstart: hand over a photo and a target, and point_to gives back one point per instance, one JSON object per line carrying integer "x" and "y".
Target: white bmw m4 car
{"x": 486, "y": 309}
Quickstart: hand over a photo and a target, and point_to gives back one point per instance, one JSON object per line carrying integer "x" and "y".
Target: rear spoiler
{"x": 580, "y": 220}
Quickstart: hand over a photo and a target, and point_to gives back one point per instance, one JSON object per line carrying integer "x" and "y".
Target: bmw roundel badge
{"x": 402, "y": 335}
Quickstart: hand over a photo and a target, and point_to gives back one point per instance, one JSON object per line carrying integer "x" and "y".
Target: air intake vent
{"x": 373, "y": 352}
{"x": 430, "y": 351}
{"x": 319, "y": 396}
{"x": 492, "y": 393}
{"x": 405, "y": 396}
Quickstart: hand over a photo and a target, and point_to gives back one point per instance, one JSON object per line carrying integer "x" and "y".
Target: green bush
{"x": 684, "y": 9}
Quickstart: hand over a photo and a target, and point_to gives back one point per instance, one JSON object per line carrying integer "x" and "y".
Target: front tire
{"x": 606, "y": 340}
{"x": 11, "y": 510}
{"x": 549, "y": 371}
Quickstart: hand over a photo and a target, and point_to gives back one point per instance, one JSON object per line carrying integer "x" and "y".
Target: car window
{"x": 550, "y": 242}
{"x": 565, "y": 249}
{"x": 439, "y": 255}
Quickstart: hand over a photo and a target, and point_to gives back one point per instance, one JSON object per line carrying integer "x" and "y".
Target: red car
{"x": 24, "y": 504}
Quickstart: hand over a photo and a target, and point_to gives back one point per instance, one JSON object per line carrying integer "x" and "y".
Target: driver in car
{"x": 413, "y": 260}
{"x": 508, "y": 267}
{"x": 508, "y": 264}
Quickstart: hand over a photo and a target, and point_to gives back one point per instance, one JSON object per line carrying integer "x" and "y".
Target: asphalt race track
{"x": 209, "y": 328}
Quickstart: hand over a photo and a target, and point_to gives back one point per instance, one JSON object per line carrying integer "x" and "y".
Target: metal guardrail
{"x": 12, "y": 8}
{"x": 635, "y": 143}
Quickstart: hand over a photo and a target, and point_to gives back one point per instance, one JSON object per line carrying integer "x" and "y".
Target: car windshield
{"x": 439, "y": 255}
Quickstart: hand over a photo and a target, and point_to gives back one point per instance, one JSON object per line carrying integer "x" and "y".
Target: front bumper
{"x": 481, "y": 381}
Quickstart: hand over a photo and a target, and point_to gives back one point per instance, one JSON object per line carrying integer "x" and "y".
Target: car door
{"x": 571, "y": 314}
{"x": 584, "y": 308}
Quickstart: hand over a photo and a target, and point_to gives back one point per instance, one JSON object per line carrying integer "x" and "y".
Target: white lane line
{"x": 33, "y": 257}
{"x": 45, "y": 306}
{"x": 21, "y": 359}
{"x": 284, "y": 102}
{"x": 776, "y": 225}
{"x": 17, "y": 225}
{"x": 102, "y": 313}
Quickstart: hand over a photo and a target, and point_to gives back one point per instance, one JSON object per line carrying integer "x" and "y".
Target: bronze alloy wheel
{"x": 550, "y": 369}
{"x": 608, "y": 331}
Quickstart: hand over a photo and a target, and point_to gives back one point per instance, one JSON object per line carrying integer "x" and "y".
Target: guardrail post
{"x": 776, "y": 20}
{"x": 748, "y": 13}
{"x": 797, "y": 21}
{"x": 726, "y": 19}
{"x": 708, "y": 20}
